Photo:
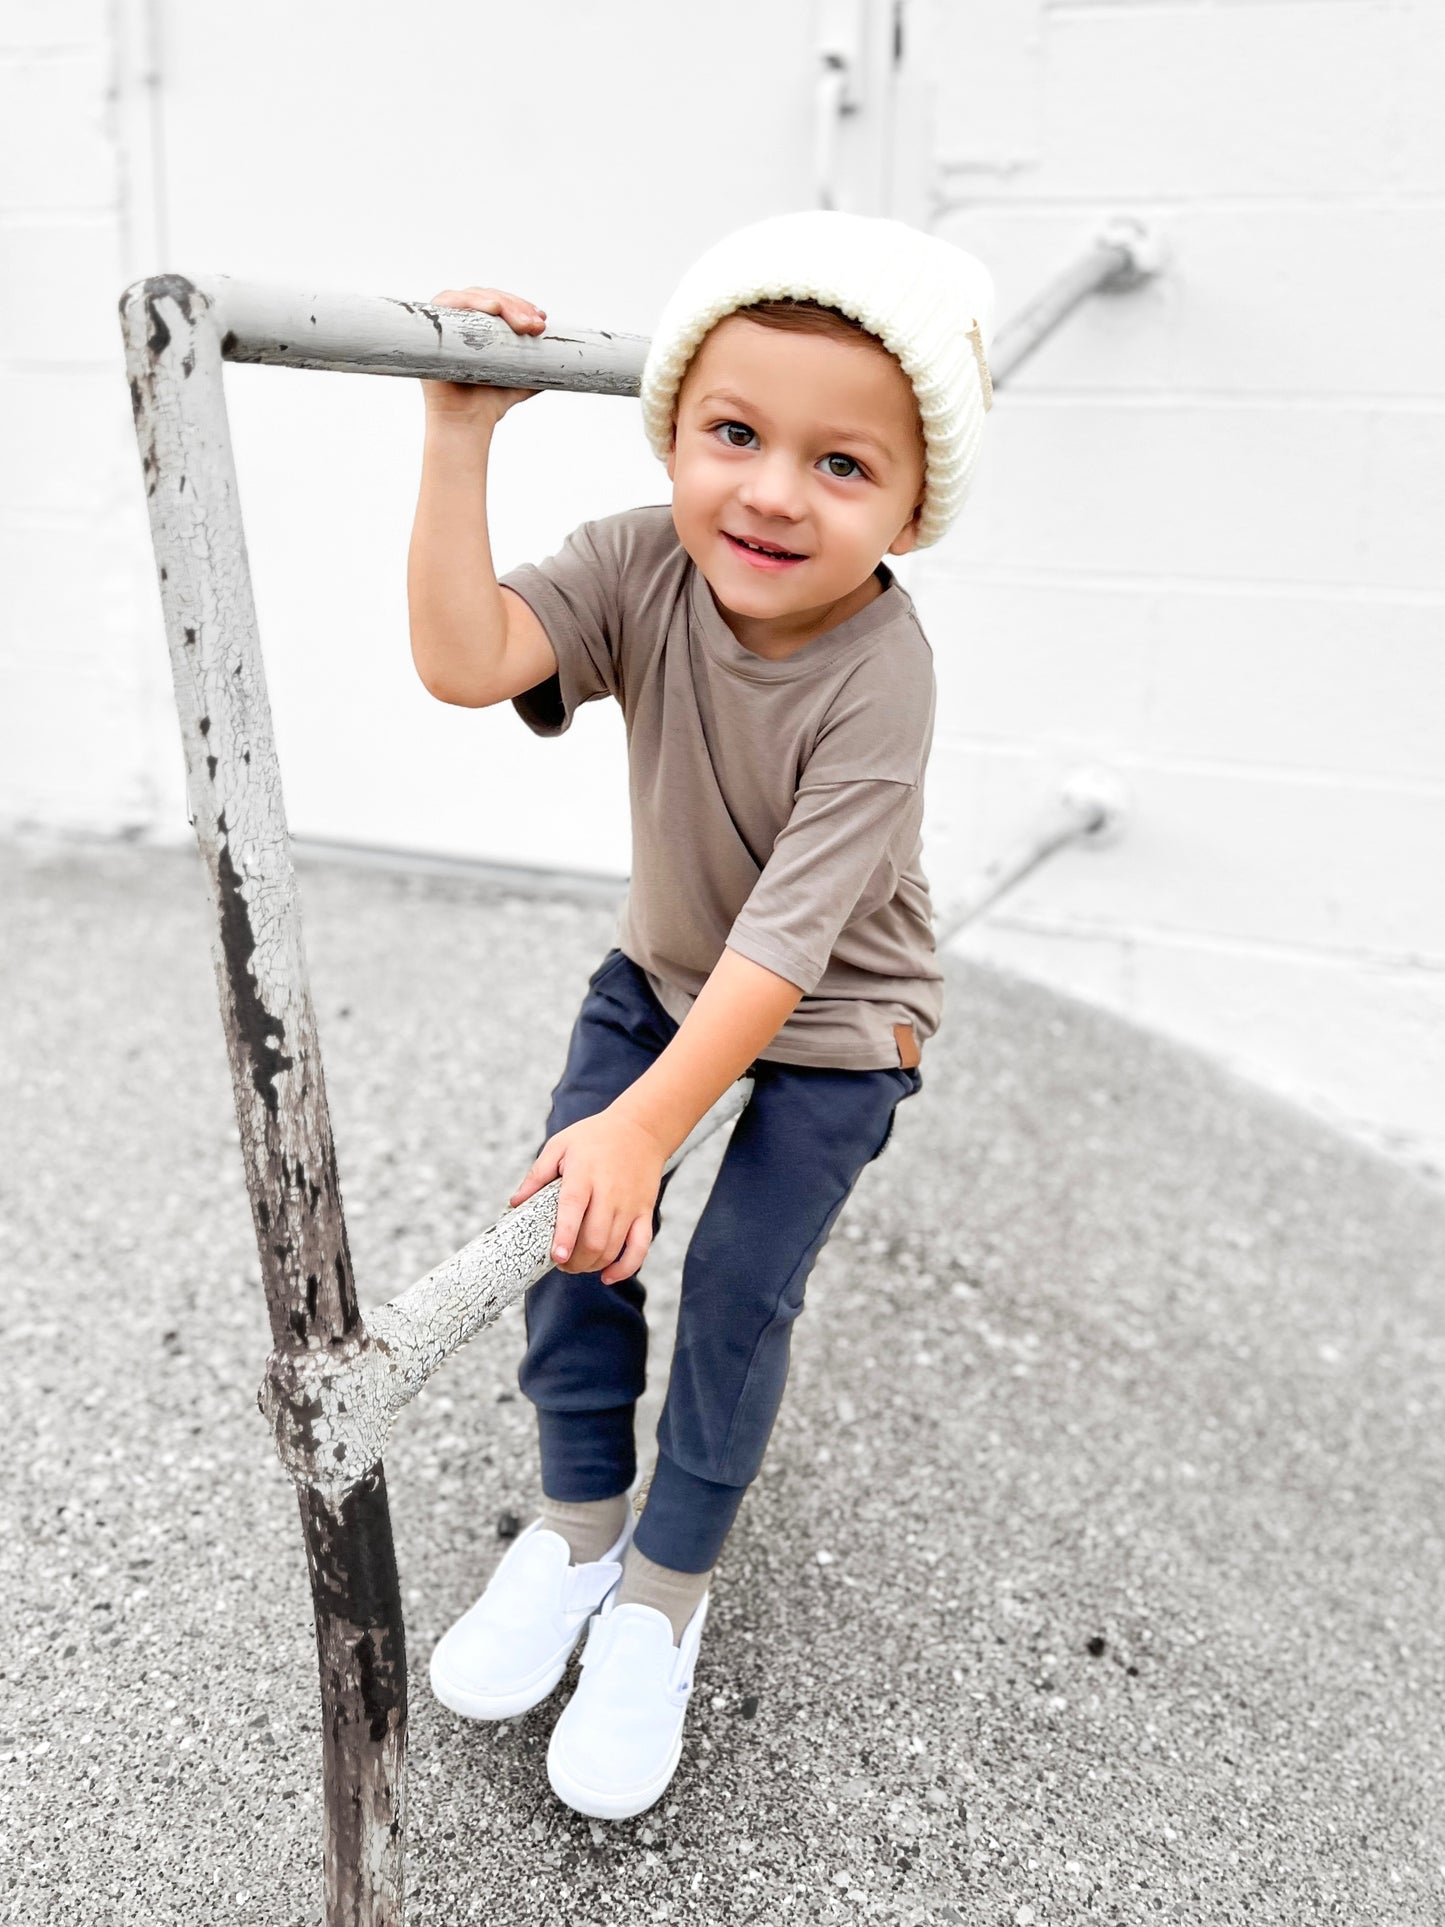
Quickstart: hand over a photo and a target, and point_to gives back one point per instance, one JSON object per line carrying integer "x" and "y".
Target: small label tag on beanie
{"x": 975, "y": 335}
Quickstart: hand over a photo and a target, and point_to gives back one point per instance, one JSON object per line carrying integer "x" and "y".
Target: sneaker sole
{"x": 621, "y": 1805}
{"x": 499, "y": 1706}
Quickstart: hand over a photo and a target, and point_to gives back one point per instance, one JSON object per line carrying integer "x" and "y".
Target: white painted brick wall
{"x": 85, "y": 739}
{"x": 1205, "y": 549}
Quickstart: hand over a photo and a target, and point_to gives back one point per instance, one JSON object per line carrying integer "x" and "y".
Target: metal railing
{"x": 335, "y": 1379}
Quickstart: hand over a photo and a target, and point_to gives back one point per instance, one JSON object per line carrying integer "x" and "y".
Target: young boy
{"x": 816, "y": 386}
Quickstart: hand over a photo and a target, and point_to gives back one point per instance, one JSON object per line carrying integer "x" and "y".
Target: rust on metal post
{"x": 361, "y": 1654}
{"x": 174, "y": 364}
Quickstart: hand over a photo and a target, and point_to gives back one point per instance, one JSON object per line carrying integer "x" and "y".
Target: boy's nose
{"x": 772, "y": 488}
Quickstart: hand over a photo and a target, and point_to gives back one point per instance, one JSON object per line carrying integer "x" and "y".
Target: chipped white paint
{"x": 233, "y": 783}
{"x": 173, "y": 360}
{"x": 365, "y": 334}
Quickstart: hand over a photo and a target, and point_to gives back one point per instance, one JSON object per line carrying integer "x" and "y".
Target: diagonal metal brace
{"x": 331, "y": 1410}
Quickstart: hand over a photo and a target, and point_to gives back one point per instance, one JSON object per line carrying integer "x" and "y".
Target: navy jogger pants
{"x": 794, "y": 1155}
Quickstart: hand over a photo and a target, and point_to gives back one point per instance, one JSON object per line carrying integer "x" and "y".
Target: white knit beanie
{"x": 927, "y": 301}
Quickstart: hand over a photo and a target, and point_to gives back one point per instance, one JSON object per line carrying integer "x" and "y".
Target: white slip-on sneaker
{"x": 509, "y": 1650}
{"x": 619, "y": 1738}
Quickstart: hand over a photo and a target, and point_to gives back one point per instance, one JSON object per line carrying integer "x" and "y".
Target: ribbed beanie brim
{"x": 929, "y": 302}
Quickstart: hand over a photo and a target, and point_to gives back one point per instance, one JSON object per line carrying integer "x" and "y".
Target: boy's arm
{"x": 611, "y": 1163}
{"x": 737, "y": 1013}
{"x": 473, "y": 642}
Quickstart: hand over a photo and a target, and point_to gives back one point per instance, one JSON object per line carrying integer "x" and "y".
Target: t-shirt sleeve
{"x": 838, "y": 857}
{"x": 576, "y": 596}
{"x": 855, "y": 823}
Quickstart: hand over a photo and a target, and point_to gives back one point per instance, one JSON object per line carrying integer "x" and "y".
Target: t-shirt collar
{"x": 725, "y": 649}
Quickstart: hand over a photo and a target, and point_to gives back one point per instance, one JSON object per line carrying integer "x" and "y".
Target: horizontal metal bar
{"x": 283, "y": 326}
{"x": 367, "y": 334}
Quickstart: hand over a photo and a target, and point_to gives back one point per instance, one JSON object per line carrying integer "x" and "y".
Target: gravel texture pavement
{"x": 1095, "y": 1569}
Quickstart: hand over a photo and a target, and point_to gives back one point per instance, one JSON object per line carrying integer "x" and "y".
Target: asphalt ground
{"x": 1095, "y": 1569}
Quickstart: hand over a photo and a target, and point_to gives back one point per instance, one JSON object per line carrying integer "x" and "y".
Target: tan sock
{"x": 677, "y": 1594}
{"x": 590, "y": 1526}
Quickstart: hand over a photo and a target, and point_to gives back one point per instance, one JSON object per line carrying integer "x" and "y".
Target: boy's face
{"x": 809, "y": 443}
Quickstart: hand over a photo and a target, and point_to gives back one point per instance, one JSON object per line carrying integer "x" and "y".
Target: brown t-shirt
{"x": 776, "y": 806}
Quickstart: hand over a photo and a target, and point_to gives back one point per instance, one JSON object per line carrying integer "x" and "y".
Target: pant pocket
{"x": 911, "y": 1084}
{"x": 608, "y": 963}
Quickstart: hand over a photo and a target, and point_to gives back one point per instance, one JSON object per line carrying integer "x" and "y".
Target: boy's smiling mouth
{"x": 762, "y": 555}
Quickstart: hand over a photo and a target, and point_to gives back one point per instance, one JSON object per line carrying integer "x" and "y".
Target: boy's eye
{"x": 744, "y": 435}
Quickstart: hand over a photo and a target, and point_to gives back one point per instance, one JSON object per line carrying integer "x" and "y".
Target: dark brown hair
{"x": 805, "y": 317}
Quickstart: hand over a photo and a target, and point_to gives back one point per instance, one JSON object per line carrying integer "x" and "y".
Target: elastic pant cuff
{"x": 686, "y": 1519}
{"x": 587, "y": 1455}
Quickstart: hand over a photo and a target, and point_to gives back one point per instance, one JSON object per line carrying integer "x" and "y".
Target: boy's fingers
{"x": 473, "y": 298}
{"x": 628, "y": 1260}
{"x": 569, "y": 1222}
{"x": 572, "y": 1202}
{"x": 530, "y": 1183}
{"x": 598, "y": 1240}
{"x": 515, "y": 309}
{"x": 544, "y": 1168}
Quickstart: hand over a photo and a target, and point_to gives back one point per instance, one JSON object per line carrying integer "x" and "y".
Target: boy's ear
{"x": 907, "y": 537}
{"x": 672, "y": 449}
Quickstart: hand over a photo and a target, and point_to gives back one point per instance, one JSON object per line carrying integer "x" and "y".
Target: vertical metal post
{"x": 174, "y": 362}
